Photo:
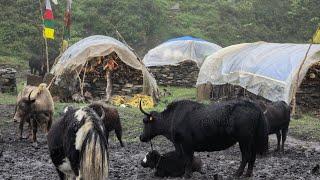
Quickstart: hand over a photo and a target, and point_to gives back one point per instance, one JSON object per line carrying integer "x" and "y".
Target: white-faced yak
{"x": 169, "y": 164}
{"x": 278, "y": 118}
{"x": 77, "y": 145}
{"x": 192, "y": 126}
{"x": 35, "y": 106}
{"x": 111, "y": 121}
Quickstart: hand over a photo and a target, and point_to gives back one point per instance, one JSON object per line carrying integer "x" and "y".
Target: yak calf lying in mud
{"x": 36, "y": 110}
{"x": 278, "y": 117}
{"x": 192, "y": 126}
{"x": 77, "y": 145}
{"x": 169, "y": 164}
{"x": 111, "y": 121}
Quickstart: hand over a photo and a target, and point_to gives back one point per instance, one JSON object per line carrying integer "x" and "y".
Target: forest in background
{"x": 145, "y": 23}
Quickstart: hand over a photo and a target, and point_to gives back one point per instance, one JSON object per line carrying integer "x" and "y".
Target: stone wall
{"x": 8, "y": 80}
{"x": 185, "y": 74}
{"x": 308, "y": 94}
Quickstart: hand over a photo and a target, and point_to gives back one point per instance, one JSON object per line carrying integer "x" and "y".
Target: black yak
{"x": 36, "y": 110}
{"x": 111, "y": 121}
{"x": 77, "y": 145}
{"x": 278, "y": 118}
{"x": 192, "y": 126}
{"x": 169, "y": 164}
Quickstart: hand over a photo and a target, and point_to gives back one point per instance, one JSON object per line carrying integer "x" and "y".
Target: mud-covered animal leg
{"x": 278, "y": 140}
{"x": 118, "y": 132}
{"x": 21, "y": 127}
{"x": 244, "y": 158}
{"x": 284, "y": 137}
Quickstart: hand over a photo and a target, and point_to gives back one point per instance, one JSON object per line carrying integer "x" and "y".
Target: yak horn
{"x": 103, "y": 114}
{"x": 143, "y": 110}
{"x": 29, "y": 99}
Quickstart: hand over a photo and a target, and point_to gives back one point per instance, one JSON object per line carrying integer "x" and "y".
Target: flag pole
{"x": 45, "y": 39}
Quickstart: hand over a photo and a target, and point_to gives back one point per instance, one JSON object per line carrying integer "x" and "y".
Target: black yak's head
{"x": 151, "y": 159}
{"x": 151, "y": 123}
{"x": 24, "y": 108}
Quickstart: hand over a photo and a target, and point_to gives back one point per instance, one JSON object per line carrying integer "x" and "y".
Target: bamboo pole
{"x": 45, "y": 39}
{"x": 296, "y": 86}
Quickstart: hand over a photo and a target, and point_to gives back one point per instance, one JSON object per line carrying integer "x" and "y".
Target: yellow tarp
{"x": 147, "y": 101}
{"x": 316, "y": 37}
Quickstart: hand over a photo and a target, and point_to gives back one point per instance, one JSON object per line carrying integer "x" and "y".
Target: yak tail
{"x": 261, "y": 137}
{"x": 94, "y": 156}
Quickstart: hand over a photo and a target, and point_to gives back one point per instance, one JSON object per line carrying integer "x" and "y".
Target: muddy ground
{"x": 21, "y": 160}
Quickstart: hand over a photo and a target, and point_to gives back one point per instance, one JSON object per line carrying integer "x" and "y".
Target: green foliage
{"x": 145, "y": 23}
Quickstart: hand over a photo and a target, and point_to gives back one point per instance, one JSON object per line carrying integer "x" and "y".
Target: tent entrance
{"x": 125, "y": 80}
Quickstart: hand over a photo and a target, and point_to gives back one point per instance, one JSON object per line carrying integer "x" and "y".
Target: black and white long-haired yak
{"x": 278, "y": 118}
{"x": 193, "y": 126}
{"x": 77, "y": 145}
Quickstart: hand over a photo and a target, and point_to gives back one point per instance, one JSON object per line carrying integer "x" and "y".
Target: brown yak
{"x": 111, "y": 121}
{"x": 35, "y": 106}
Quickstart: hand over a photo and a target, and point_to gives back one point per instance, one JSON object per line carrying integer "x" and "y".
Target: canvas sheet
{"x": 174, "y": 51}
{"x": 266, "y": 69}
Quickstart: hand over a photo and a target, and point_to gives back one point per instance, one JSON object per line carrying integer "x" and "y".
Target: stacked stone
{"x": 8, "y": 80}
{"x": 308, "y": 94}
{"x": 184, "y": 75}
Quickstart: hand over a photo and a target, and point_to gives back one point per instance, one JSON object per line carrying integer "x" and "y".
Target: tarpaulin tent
{"x": 76, "y": 56}
{"x": 176, "y": 62}
{"x": 269, "y": 70}
{"x": 176, "y": 50}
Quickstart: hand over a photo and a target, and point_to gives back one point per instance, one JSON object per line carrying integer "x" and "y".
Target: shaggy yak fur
{"x": 77, "y": 145}
{"x": 169, "y": 164}
{"x": 278, "y": 118}
{"x": 36, "y": 110}
{"x": 192, "y": 126}
{"x": 111, "y": 121}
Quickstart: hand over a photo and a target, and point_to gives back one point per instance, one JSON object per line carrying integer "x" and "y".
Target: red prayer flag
{"x": 48, "y": 15}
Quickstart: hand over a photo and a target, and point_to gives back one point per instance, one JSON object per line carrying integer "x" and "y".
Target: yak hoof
{"x": 187, "y": 175}
{"x": 237, "y": 174}
{"x": 248, "y": 174}
{"x": 35, "y": 144}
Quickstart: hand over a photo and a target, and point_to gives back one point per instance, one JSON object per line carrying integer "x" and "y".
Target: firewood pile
{"x": 185, "y": 74}
{"x": 8, "y": 80}
{"x": 125, "y": 80}
{"x": 308, "y": 94}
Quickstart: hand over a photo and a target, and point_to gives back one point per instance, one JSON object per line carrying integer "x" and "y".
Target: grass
{"x": 16, "y": 62}
{"x": 307, "y": 127}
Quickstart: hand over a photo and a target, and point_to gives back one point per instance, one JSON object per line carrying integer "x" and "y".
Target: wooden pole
{"x": 45, "y": 39}
{"x": 295, "y": 88}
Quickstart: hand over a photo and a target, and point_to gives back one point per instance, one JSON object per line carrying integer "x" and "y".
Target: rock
{"x": 8, "y": 80}
{"x": 316, "y": 169}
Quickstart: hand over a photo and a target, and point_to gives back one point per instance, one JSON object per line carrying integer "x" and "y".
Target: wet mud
{"x": 21, "y": 160}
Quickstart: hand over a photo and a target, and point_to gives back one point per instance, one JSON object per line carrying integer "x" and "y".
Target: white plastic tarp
{"x": 266, "y": 69}
{"x": 174, "y": 51}
{"x": 79, "y": 53}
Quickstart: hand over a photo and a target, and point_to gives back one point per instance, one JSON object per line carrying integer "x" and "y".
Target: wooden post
{"x": 45, "y": 39}
{"x": 296, "y": 86}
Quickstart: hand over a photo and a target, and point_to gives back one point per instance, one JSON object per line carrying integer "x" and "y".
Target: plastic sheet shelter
{"x": 269, "y": 70}
{"x": 76, "y": 56}
{"x": 174, "y": 51}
